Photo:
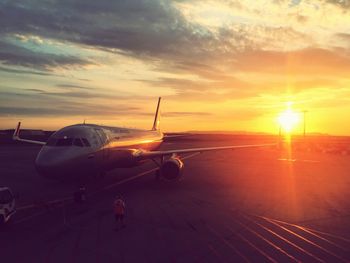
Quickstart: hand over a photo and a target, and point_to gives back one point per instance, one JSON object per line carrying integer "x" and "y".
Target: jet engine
{"x": 171, "y": 169}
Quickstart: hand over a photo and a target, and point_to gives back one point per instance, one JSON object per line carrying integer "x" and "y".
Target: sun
{"x": 288, "y": 120}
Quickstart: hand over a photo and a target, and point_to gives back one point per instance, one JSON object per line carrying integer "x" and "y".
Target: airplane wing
{"x": 17, "y": 138}
{"x": 154, "y": 154}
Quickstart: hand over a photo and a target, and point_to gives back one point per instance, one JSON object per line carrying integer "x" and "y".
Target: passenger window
{"x": 86, "y": 142}
{"x": 77, "y": 142}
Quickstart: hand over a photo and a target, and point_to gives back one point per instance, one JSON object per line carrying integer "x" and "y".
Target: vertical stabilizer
{"x": 157, "y": 117}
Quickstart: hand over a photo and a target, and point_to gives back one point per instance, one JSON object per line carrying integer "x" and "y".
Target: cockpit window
{"x": 64, "y": 142}
{"x": 86, "y": 142}
{"x": 80, "y": 142}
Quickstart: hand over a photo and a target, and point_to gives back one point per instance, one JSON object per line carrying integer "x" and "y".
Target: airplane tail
{"x": 157, "y": 117}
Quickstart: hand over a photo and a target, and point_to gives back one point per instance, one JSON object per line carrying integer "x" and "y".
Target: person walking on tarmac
{"x": 119, "y": 211}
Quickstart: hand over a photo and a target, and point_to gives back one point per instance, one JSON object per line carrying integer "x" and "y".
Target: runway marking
{"x": 213, "y": 250}
{"x": 287, "y": 241}
{"x": 189, "y": 248}
{"x": 255, "y": 247}
{"x": 267, "y": 241}
{"x": 306, "y": 240}
{"x": 313, "y": 232}
{"x": 228, "y": 244}
{"x": 210, "y": 245}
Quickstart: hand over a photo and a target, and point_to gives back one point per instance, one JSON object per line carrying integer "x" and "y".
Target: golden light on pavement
{"x": 288, "y": 120}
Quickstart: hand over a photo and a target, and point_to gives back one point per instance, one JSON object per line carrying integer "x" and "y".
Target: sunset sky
{"x": 219, "y": 65}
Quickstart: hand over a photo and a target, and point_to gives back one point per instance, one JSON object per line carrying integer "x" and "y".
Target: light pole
{"x": 305, "y": 111}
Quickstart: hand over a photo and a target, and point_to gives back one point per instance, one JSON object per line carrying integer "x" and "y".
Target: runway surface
{"x": 257, "y": 205}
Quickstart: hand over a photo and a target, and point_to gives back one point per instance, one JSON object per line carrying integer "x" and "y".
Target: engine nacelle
{"x": 171, "y": 169}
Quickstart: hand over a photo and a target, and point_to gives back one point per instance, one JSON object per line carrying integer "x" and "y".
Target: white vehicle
{"x": 7, "y": 204}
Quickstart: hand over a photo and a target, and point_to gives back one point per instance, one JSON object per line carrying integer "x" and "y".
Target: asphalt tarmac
{"x": 249, "y": 205}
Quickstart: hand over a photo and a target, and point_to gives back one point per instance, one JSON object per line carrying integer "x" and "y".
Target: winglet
{"x": 156, "y": 117}
{"x": 16, "y": 133}
{"x": 15, "y": 136}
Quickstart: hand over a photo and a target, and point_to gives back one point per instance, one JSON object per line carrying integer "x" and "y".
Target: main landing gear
{"x": 158, "y": 171}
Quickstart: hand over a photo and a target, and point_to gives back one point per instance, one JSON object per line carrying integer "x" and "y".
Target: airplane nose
{"x": 55, "y": 163}
{"x": 49, "y": 167}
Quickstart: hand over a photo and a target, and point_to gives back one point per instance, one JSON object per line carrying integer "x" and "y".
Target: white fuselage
{"x": 83, "y": 149}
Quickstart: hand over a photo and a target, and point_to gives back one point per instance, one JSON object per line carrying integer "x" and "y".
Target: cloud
{"x": 289, "y": 71}
{"x": 11, "y": 54}
{"x": 295, "y": 86}
{"x": 203, "y": 69}
{"x": 185, "y": 114}
{"x": 73, "y": 94}
{"x": 345, "y": 4}
{"x": 345, "y": 36}
{"x": 23, "y": 71}
{"x": 72, "y": 86}
{"x": 214, "y": 53}
{"x": 226, "y": 87}
{"x": 77, "y": 93}
{"x": 309, "y": 61}
{"x": 15, "y": 101}
{"x": 9, "y": 94}
{"x": 155, "y": 31}
{"x": 67, "y": 111}
{"x": 137, "y": 27}
{"x": 36, "y": 90}
{"x": 29, "y": 111}
{"x": 180, "y": 84}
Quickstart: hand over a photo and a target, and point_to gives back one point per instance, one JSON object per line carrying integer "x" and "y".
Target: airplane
{"x": 90, "y": 149}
